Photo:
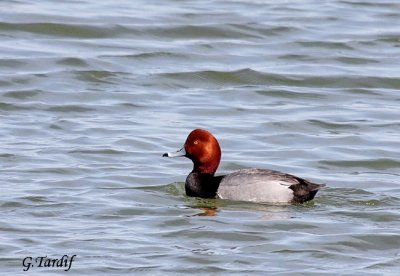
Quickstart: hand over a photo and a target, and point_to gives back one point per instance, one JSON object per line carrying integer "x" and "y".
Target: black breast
{"x": 202, "y": 185}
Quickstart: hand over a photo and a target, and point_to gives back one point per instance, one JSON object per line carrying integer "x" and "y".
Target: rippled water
{"x": 93, "y": 92}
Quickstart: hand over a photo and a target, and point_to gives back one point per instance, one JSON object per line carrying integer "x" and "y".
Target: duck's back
{"x": 260, "y": 185}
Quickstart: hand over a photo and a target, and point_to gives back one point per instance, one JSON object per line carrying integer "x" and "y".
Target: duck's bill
{"x": 178, "y": 153}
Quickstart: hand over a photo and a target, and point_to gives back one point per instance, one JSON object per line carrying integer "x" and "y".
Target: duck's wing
{"x": 262, "y": 185}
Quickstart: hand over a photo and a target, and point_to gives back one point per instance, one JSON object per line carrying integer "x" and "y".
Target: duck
{"x": 250, "y": 184}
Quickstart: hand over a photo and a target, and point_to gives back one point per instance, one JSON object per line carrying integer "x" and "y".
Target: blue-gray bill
{"x": 178, "y": 153}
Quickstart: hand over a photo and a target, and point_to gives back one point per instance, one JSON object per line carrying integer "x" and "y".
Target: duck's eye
{"x": 196, "y": 142}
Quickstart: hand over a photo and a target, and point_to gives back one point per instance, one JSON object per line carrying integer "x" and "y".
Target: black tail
{"x": 305, "y": 190}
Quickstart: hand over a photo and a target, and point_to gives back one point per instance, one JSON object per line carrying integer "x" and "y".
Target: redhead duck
{"x": 257, "y": 185}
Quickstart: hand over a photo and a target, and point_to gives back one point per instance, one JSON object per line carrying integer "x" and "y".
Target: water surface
{"x": 91, "y": 95}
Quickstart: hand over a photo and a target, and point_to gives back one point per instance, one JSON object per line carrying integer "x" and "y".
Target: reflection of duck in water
{"x": 257, "y": 185}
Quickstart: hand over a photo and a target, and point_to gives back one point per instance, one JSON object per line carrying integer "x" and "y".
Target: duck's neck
{"x": 209, "y": 167}
{"x": 205, "y": 169}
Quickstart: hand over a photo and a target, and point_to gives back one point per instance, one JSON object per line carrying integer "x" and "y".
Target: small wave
{"x": 65, "y": 30}
{"x": 379, "y": 164}
{"x": 22, "y": 94}
{"x": 70, "y": 108}
{"x": 99, "y": 151}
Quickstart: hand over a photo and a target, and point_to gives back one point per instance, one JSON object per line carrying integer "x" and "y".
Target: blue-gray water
{"x": 93, "y": 92}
